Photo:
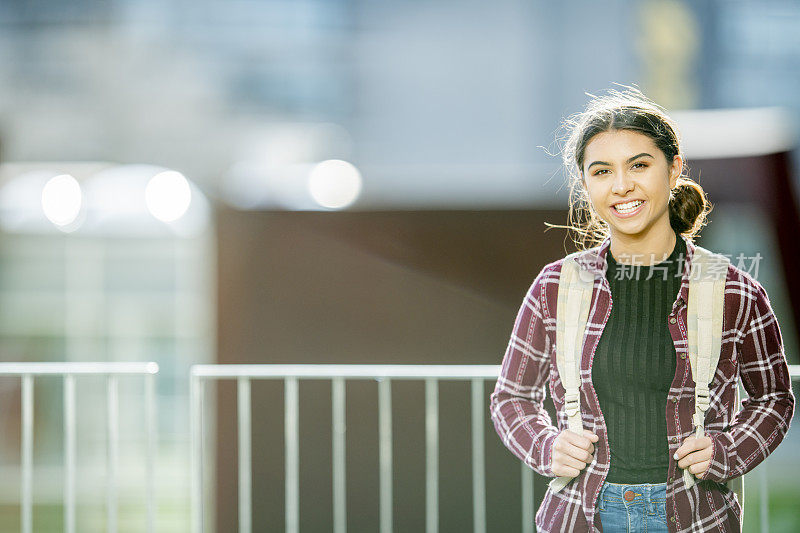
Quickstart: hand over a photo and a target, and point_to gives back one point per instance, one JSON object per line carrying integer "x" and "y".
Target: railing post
{"x": 431, "y": 455}
{"x": 764, "y": 496}
{"x": 478, "y": 458}
{"x": 69, "y": 453}
{"x": 292, "y": 437}
{"x": 339, "y": 458}
{"x": 527, "y": 499}
{"x": 385, "y": 452}
{"x": 151, "y": 423}
{"x": 26, "y": 507}
{"x": 112, "y": 452}
{"x": 245, "y": 472}
{"x": 196, "y": 423}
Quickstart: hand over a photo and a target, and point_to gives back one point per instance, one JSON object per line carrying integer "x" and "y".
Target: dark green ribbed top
{"x": 634, "y": 365}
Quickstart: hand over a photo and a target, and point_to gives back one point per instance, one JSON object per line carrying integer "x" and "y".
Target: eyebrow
{"x": 628, "y": 161}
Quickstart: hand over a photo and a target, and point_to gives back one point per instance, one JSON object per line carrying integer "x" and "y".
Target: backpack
{"x": 704, "y": 324}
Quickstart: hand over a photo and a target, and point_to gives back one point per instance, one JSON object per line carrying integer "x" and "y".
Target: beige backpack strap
{"x": 704, "y": 323}
{"x": 572, "y": 313}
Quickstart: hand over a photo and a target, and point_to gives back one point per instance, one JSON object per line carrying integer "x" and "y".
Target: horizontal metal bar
{"x": 348, "y": 371}
{"x": 276, "y": 371}
{"x": 38, "y": 369}
{"x": 361, "y": 371}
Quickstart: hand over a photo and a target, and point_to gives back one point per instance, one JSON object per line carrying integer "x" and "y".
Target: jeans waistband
{"x": 641, "y": 491}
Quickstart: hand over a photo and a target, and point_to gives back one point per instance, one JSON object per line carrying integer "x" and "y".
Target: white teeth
{"x": 628, "y": 207}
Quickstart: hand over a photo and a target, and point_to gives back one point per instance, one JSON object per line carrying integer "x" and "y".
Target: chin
{"x": 629, "y": 232}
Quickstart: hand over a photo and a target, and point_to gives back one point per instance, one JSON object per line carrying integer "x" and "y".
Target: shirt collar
{"x": 594, "y": 261}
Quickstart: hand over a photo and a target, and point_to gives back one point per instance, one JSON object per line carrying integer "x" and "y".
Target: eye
{"x": 644, "y": 165}
{"x": 597, "y": 173}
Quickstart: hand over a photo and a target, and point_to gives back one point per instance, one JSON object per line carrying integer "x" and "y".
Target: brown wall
{"x": 765, "y": 182}
{"x": 372, "y": 287}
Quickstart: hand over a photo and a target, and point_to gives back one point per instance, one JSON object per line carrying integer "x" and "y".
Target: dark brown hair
{"x": 626, "y": 110}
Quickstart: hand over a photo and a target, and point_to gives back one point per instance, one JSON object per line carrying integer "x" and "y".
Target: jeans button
{"x": 629, "y": 495}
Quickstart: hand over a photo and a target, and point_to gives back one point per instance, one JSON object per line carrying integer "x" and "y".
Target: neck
{"x": 631, "y": 250}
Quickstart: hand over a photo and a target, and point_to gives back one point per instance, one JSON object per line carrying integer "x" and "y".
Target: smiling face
{"x": 629, "y": 180}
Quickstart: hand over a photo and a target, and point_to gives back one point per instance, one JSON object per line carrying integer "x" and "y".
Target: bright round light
{"x": 61, "y": 200}
{"x": 168, "y": 195}
{"x": 334, "y": 183}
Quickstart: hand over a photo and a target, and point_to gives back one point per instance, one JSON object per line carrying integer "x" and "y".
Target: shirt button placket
{"x": 674, "y": 440}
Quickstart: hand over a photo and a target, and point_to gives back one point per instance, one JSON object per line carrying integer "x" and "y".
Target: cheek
{"x": 595, "y": 197}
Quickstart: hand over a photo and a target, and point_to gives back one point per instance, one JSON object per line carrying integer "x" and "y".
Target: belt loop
{"x": 600, "y": 506}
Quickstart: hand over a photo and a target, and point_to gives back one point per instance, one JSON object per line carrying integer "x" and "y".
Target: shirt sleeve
{"x": 516, "y": 405}
{"x": 761, "y": 425}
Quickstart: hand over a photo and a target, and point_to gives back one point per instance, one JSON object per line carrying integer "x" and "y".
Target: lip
{"x": 631, "y": 214}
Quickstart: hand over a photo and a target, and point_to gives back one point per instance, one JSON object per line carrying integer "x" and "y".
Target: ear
{"x": 675, "y": 170}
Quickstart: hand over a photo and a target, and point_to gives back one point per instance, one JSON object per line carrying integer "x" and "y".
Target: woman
{"x": 636, "y": 216}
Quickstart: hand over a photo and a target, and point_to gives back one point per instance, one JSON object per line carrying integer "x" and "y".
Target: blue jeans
{"x": 626, "y": 508}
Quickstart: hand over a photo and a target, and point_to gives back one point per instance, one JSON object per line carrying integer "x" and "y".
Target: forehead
{"x": 618, "y": 144}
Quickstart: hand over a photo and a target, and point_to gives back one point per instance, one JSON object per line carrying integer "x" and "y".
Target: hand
{"x": 695, "y": 454}
{"x": 572, "y": 452}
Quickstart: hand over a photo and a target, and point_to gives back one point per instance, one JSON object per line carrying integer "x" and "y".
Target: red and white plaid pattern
{"x": 752, "y": 347}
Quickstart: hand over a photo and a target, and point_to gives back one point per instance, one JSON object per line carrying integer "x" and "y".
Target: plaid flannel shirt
{"x": 752, "y": 347}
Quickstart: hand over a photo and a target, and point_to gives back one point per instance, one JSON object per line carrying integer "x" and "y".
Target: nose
{"x": 621, "y": 184}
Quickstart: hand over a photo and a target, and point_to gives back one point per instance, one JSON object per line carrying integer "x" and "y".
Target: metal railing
{"x": 290, "y": 375}
{"x": 70, "y": 372}
{"x": 338, "y": 374}
{"x": 384, "y": 374}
